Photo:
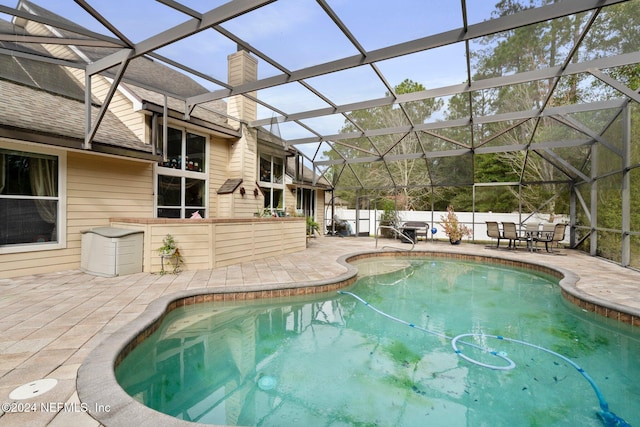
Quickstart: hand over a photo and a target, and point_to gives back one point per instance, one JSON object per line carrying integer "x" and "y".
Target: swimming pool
{"x": 332, "y": 360}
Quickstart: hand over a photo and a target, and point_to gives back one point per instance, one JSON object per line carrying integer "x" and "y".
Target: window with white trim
{"x": 31, "y": 211}
{"x": 271, "y": 176}
{"x": 181, "y": 188}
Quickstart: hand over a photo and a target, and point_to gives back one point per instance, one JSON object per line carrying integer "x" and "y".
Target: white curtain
{"x": 43, "y": 177}
{"x": 3, "y": 172}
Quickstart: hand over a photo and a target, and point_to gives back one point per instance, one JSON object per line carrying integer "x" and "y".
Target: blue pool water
{"x": 331, "y": 360}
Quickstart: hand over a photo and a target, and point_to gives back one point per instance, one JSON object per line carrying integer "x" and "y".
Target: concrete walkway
{"x": 51, "y": 322}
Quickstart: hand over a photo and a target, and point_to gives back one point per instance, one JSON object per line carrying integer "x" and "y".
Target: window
{"x": 271, "y": 169}
{"x": 182, "y": 178}
{"x": 30, "y": 204}
{"x": 272, "y": 182}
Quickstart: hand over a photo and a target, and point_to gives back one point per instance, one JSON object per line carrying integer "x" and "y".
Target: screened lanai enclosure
{"x": 487, "y": 105}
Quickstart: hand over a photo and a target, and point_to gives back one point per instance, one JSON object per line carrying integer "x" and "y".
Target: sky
{"x": 298, "y": 34}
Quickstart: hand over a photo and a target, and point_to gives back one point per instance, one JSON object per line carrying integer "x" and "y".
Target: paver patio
{"x": 51, "y": 322}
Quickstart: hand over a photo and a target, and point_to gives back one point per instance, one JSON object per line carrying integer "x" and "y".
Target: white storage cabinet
{"x": 109, "y": 251}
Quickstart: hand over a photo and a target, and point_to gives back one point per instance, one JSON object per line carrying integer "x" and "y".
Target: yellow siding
{"x": 210, "y": 243}
{"x": 290, "y": 201}
{"x": 233, "y": 160}
{"x": 62, "y": 52}
{"x": 320, "y": 210}
{"x": 245, "y": 207}
{"x": 122, "y": 107}
{"x": 218, "y": 164}
{"x": 98, "y": 188}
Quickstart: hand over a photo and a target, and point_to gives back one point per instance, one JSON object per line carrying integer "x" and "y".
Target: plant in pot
{"x": 168, "y": 247}
{"x": 452, "y": 226}
{"x": 389, "y": 218}
{"x": 170, "y": 251}
{"x": 312, "y": 226}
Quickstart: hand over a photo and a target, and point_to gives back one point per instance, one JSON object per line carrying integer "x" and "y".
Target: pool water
{"x": 331, "y": 360}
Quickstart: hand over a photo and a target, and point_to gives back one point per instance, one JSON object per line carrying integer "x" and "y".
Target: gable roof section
{"x": 43, "y": 103}
{"x": 305, "y": 176}
{"x": 35, "y": 73}
{"x": 142, "y": 75}
{"x": 37, "y": 115}
{"x": 206, "y": 115}
{"x": 144, "y": 72}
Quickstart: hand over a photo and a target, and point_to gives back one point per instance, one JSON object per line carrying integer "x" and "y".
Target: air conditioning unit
{"x": 109, "y": 251}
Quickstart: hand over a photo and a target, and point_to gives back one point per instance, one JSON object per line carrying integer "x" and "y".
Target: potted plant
{"x": 452, "y": 226}
{"x": 170, "y": 251}
{"x": 312, "y": 226}
{"x": 168, "y": 247}
{"x": 389, "y": 218}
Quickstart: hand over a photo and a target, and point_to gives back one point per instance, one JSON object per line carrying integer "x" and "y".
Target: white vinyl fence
{"x": 475, "y": 222}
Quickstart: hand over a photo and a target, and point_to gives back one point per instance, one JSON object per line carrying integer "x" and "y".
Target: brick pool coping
{"x": 97, "y": 385}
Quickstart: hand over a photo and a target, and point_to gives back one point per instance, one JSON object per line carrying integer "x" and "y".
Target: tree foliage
{"x": 537, "y": 178}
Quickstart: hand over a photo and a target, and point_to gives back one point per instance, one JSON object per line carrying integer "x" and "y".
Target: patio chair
{"x": 510, "y": 232}
{"x": 547, "y": 227}
{"x": 549, "y": 237}
{"x": 545, "y": 234}
{"x": 493, "y": 231}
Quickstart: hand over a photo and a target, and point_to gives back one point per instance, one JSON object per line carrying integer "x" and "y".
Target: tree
{"x": 405, "y": 177}
{"x": 523, "y": 49}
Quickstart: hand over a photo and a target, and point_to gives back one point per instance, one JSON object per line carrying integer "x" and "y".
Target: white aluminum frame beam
{"x": 41, "y": 58}
{"x": 520, "y": 115}
{"x": 192, "y": 26}
{"x": 58, "y": 24}
{"x": 506, "y": 23}
{"x": 534, "y": 75}
{"x": 18, "y": 38}
{"x": 616, "y": 84}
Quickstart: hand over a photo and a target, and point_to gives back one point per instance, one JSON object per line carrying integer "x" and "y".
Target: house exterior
{"x": 147, "y": 168}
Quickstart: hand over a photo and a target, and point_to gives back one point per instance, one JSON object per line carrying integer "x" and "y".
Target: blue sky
{"x": 298, "y": 34}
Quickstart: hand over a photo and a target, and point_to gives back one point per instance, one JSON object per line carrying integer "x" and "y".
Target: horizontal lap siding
{"x": 98, "y": 188}
{"x": 218, "y": 161}
{"x": 24, "y": 264}
{"x": 260, "y": 241}
{"x": 208, "y": 245}
{"x": 268, "y": 239}
{"x": 191, "y": 240}
{"x": 240, "y": 242}
{"x": 234, "y": 243}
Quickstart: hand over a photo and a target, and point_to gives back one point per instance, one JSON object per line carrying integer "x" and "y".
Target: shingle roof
{"x": 206, "y": 111}
{"x": 305, "y": 176}
{"x": 143, "y": 70}
{"x": 35, "y": 73}
{"x": 157, "y": 75}
{"x": 142, "y": 74}
{"x": 36, "y": 110}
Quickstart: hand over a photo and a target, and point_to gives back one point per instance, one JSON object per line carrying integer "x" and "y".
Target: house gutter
{"x": 218, "y": 130}
{"x": 19, "y": 134}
